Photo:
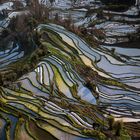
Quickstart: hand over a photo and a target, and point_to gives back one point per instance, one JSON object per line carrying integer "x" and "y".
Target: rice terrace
{"x": 69, "y": 69}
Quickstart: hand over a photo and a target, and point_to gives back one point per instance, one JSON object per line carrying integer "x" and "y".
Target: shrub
{"x": 94, "y": 133}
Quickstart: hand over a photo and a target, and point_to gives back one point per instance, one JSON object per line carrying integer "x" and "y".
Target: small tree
{"x": 26, "y": 68}
{"x": 111, "y": 122}
{"x": 34, "y": 58}
{"x": 1, "y": 81}
{"x": 19, "y": 84}
{"x": 118, "y": 128}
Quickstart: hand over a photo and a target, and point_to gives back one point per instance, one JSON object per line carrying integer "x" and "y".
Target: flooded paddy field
{"x": 76, "y": 85}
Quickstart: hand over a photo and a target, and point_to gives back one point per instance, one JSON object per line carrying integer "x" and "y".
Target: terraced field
{"x": 123, "y": 68}
{"x": 41, "y": 97}
{"x": 54, "y": 101}
{"x": 72, "y": 90}
{"x": 11, "y": 54}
